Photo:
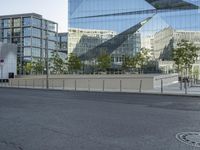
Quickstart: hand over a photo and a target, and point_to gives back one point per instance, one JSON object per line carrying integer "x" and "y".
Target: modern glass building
{"x": 30, "y": 32}
{"x": 63, "y": 44}
{"x": 157, "y": 25}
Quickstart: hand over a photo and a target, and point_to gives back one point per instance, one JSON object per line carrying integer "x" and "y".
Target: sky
{"x": 55, "y": 10}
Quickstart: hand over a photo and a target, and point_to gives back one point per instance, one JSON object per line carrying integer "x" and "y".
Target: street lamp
{"x": 47, "y": 62}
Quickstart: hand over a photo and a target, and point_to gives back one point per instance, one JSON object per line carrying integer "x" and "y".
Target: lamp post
{"x": 47, "y": 62}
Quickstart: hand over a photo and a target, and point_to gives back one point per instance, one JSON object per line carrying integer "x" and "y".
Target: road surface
{"x": 61, "y": 120}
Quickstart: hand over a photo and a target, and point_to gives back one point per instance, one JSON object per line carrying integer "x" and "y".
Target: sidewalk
{"x": 175, "y": 89}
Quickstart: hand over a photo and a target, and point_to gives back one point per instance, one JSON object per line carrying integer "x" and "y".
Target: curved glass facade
{"x": 123, "y": 27}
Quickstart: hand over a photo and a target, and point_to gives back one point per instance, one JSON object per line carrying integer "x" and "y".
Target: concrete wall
{"x": 96, "y": 82}
{"x": 8, "y": 53}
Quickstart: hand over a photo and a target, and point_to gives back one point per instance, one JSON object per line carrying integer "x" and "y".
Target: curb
{"x": 117, "y": 92}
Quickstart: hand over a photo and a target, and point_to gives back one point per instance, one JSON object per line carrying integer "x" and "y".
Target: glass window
{"x": 17, "y": 22}
{"x": 36, "y": 22}
{"x": 51, "y": 36}
{"x": 17, "y": 32}
{"x": 6, "y": 23}
{"x": 6, "y": 33}
{"x": 27, "y": 41}
{"x": 51, "y": 45}
{"x": 51, "y": 26}
{"x": 36, "y": 42}
{"x": 16, "y": 41}
{"x": 27, "y": 31}
{"x": 63, "y": 38}
{"x": 36, "y": 32}
{"x": 27, "y": 21}
{"x": 36, "y": 52}
{"x": 6, "y": 40}
{"x": 27, "y": 51}
{"x": 50, "y": 53}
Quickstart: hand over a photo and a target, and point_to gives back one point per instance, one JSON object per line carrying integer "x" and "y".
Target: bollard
{"x": 18, "y": 83}
{"x": 140, "y": 89}
{"x": 162, "y": 86}
{"x": 120, "y": 85}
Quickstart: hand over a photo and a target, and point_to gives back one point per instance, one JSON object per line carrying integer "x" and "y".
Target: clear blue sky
{"x": 55, "y": 10}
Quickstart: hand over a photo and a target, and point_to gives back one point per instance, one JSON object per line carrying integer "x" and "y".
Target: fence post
{"x": 63, "y": 84}
{"x": 25, "y": 83}
{"x": 185, "y": 87}
{"x": 120, "y": 85}
{"x": 89, "y": 85}
{"x": 33, "y": 83}
{"x": 103, "y": 85}
{"x": 75, "y": 85}
{"x": 43, "y": 83}
{"x": 140, "y": 89}
{"x": 52, "y": 84}
{"x": 162, "y": 86}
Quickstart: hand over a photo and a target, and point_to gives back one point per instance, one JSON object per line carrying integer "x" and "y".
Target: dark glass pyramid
{"x": 171, "y": 4}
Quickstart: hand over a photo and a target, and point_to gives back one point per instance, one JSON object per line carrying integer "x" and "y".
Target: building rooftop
{"x": 25, "y": 15}
{"x": 19, "y": 15}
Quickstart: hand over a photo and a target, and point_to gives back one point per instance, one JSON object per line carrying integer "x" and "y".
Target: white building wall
{"x": 8, "y": 53}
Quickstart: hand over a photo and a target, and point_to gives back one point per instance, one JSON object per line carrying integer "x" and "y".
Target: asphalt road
{"x": 56, "y": 120}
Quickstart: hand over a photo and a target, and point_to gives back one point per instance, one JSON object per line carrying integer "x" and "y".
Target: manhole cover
{"x": 190, "y": 138}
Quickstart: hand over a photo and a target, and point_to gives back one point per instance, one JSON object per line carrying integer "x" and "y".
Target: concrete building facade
{"x": 8, "y": 60}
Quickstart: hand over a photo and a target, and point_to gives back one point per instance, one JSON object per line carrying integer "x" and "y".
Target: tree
{"x": 73, "y": 63}
{"x": 185, "y": 55}
{"x": 142, "y": 58}
{"x": 128, "y": 63}
{"x": 38, "y": 66}
{"x": 196, "y": 72}
{"x": 28, "y": 67}
{"x": 104, "y": 61}
{"x": 57, "y": 64}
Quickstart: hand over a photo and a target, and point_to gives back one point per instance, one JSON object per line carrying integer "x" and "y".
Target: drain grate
{"x": 189, "y": 138}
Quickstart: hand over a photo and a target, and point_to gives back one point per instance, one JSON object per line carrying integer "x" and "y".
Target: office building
{"x": 138, "y": 19}
{"x": 168, "y": 38}
{"x": 80, "y": 41}
{"x": 63, "y": 44}
{"x": 32, "y": 34}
